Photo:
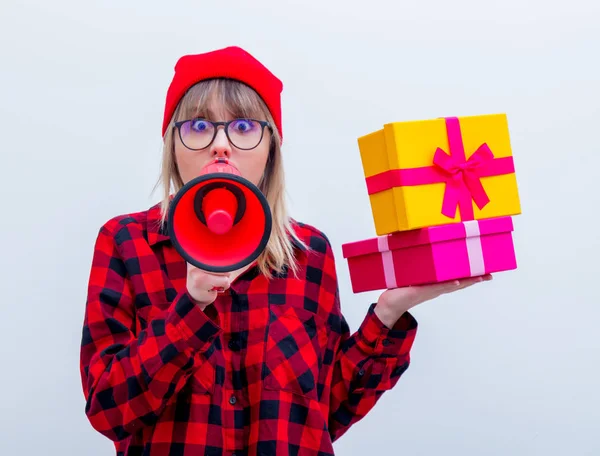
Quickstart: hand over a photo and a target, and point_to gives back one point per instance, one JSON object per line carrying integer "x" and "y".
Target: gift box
{"x": 429, "y": 255}
{"x": 439, "y": 171}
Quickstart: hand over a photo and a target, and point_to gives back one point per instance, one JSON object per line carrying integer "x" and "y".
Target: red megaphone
{"x": 219, "y": 221}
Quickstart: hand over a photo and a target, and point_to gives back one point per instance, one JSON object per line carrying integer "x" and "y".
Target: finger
{"x": 454, "y": 285}
{"x": 218, "y": 274}
{"x": 443, "y": 287}
{"x": 208, "y": 282}
{"x": 464, "y": 283}
{"x": 191, "y": 267}
{"x": 426, "y": 292}
{"x": 218, "y": 283}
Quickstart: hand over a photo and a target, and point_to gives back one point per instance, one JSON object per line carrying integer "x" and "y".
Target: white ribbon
{"x": 474, "y": 251}
{"x": 388, "y": 262}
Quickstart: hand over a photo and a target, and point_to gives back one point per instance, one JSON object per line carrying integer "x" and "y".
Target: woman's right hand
{"x": 202, "y": 286}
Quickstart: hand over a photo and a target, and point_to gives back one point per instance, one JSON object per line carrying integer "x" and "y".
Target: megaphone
{"x": 219, "y": 221}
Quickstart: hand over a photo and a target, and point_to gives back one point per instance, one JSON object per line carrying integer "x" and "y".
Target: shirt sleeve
{"x": 129, "y": 378}
{"x": 367, "y": 363}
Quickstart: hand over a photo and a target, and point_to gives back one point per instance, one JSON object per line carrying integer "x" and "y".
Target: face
{"x": 251, "y": 163}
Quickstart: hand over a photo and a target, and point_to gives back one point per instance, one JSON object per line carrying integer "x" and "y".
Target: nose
{"x": 221, "y": 146}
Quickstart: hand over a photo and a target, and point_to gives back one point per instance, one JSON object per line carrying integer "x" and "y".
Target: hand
{"x": 204, "y": 286}
{"x": 394, "y": 302}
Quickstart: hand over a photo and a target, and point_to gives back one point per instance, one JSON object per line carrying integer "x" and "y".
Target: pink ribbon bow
{"x": 463, "y": 176}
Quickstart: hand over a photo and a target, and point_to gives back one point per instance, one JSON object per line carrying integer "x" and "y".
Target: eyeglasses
{"x": 199, "y": 133}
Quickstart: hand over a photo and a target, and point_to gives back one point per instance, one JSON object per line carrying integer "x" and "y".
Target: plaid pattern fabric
{"x": 270, "y": 369}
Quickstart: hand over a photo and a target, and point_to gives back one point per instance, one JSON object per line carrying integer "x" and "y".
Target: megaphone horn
{"x": 220, "y": 200}
{"x": 219, "y": 221}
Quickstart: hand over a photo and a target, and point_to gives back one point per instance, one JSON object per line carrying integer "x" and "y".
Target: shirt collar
{"x": 157, "y": 231}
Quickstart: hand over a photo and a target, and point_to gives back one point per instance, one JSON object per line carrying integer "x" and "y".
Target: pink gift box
{"x": 430, "y": 255}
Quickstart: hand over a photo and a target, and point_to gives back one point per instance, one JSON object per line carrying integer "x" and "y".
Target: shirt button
{"x": 232, "y": 400}
{"x": 361, "y": 372}
{"x": 233, "y": 345}
{"x": 386, "y": 342}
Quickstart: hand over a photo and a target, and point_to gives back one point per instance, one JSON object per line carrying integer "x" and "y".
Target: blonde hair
{"x": 239, "y": 100}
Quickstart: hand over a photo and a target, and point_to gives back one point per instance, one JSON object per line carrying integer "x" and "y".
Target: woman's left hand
{"x": 396, "y": 301}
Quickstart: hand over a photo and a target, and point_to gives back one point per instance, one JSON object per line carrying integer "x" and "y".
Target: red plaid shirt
{"x": 270, "y": 369}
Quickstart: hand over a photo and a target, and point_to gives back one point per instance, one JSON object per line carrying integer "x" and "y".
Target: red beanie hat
{"x": 231, "y": 62}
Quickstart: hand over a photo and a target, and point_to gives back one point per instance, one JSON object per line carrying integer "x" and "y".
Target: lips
{"x": 220, "y": 165}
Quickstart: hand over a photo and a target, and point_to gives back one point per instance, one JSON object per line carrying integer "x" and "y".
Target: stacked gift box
{"x": 442, "y": 194}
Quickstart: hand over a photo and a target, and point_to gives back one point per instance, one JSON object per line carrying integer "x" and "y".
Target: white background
{"x": 506, "y": 368}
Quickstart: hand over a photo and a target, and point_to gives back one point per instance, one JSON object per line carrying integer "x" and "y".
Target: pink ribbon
{"x": 389, "y": 272}
{"x": 474, "y": 248}
{"x": 462, "y": 176}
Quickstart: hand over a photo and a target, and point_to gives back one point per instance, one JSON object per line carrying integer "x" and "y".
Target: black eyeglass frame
{"x": 225, "y": 124}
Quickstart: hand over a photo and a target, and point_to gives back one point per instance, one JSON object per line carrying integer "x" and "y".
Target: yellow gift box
{"x": 439, "y": 171}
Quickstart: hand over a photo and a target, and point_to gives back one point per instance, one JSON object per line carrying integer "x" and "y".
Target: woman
{"x": 268, "y": 366}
